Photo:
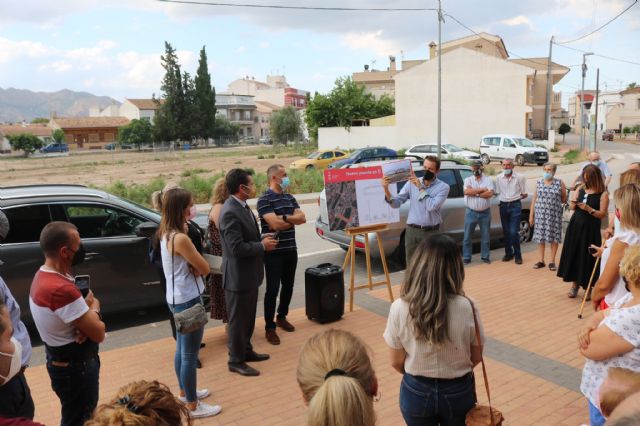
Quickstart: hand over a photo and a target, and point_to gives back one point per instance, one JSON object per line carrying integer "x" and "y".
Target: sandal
{"x": 552, "y": 266}
{"x": 539, "y": 265}
{"x": 573, "y": 293}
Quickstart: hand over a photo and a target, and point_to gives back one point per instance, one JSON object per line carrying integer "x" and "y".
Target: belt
{"x": 424, "y": 228}
{"x": 509, "y": 202}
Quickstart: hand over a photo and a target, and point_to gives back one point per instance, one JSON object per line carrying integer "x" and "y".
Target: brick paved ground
{"x": 534, "y": 367}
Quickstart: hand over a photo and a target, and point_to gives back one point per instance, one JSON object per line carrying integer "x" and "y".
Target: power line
{"x": 598, "y": 55}
{"x": 601, "y": 26}
{"x": 274, "y": 6}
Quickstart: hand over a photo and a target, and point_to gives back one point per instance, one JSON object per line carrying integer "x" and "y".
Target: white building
{"x": 130, "y": 108}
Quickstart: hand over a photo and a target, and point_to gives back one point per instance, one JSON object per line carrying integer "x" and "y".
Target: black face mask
{"x": 477, "y": 172}
{"x": 78, "y": 256}
{"x": 428, "y": 175}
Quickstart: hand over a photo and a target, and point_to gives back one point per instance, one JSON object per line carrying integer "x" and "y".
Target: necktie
{"x": 253, "y": 218}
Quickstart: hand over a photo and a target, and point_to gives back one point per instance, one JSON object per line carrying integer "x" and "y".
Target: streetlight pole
{"x": 440, "y": 21}
{"x": 584, "y": 74}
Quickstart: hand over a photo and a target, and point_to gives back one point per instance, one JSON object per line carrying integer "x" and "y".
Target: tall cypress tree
{"x": 167, "y": 116}
{"x": 204, "y": 112}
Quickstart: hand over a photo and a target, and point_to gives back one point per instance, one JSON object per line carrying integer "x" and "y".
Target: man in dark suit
{"x": 243, "y": 251}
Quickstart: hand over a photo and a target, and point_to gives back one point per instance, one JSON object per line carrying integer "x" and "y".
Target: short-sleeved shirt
{"x": 629, "y": 238}
{"x": 478, "y": 204}
{"x": 510, "y": 189}
{"x": 19, "y": 329}
{"x": 55, "y": 303}
{"x": 625, "y": 322}
{"x": 279, "y": 204}
{"x": 602, "y": 165}
{"x": 425, "y": 204}
{"x": 449, "y": 360}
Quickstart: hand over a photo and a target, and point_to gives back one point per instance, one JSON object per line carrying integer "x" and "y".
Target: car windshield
{"x": 313, "y": 155}
{"x": 451, "y": 148}
{"x": 525, "y": 143}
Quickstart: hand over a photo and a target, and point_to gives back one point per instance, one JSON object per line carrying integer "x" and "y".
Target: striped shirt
{"x": 279, "y": 204}
{"x": 449, "y": 360}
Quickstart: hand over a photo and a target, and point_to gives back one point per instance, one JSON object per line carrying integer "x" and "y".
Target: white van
{"x": 522, "y": 150}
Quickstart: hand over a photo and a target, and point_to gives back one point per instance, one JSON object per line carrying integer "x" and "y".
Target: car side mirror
{"x": 146, "y": 229}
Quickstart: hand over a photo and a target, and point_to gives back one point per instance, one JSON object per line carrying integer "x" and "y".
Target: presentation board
{"x": 355, "y": 197}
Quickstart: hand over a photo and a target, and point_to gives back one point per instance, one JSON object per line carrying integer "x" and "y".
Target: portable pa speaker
{"x": 324, "y": 292}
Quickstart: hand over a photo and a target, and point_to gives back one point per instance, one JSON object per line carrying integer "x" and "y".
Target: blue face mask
{"x": 507, "y": 172}
{"x": 547, "y": 175}
{"x": 596, "y": 163}
{"x": 285, "y": 182}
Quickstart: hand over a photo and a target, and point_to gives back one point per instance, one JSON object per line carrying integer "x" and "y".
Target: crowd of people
{"x": 434, "y": 331}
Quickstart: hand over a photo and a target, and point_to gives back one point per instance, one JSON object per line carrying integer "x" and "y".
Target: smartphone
{"x": 276, "y": 235}
{"x": 83, "y": 282}
{"x": 593, "y": 250}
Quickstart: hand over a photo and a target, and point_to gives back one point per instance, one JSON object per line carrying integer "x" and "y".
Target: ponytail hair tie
{"x": 126, "y": 401}
{"x": 335, "y": 372}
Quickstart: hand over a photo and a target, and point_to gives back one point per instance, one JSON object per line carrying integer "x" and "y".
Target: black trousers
{"x": 280, "y": 268}
{"x": 16, "y": 398}
{"x": 241, "y": 310}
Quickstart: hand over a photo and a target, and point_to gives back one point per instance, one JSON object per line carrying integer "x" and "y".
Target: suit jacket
{"x": 242, "y": 249}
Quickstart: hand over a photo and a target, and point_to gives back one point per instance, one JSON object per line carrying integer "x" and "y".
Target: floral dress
{"x": 547, "y": 226}
{"x": 218, "y": 303}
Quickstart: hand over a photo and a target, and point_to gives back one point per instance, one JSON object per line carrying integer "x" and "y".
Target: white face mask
{"x": 16, "y": 360}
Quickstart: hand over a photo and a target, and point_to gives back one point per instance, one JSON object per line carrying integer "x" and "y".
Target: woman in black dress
{"x": 218, "y": 304}
{"x": 590, "y": 204}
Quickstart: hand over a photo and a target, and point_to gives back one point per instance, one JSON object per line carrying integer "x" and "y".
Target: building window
{"x": 247, "y": 115}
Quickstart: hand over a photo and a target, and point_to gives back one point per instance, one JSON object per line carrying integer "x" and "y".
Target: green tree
{"x": 58, "y": 135}
{"x": 136, "y": 132}
{"x": 632, "y": 85}
{"x": 169, "y": 115}
{"x": 564, "y": 129}
{"x": 204, "y": 117}
{"x": 25, "y": 142}
{"x": 225, "y": 130}
{"x": 346, "y": 101}
{"x": 40, "y": 120}
{"x": 188, "y": 121}
{"x": 285, "y": 125}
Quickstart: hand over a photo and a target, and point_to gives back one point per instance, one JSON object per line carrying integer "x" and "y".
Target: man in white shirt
{"x": 478, "y": 191}
{"x": 511, "y": 188}
{"x": 594, "y": 158}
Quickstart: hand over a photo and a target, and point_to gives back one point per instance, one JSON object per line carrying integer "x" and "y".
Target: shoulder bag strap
{"x": 484, "y": 367}
{"x": 173, "y": 275}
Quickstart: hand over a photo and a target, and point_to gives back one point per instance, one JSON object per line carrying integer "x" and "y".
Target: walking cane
{"x": 586, "y": 293}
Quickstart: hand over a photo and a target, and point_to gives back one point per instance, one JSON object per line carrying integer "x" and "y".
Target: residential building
{"x": 238, "y": 109}
{"x": 5, "y": 146}
{"x": 275, "y": 91}
{"x": 626, "y": 113}
{"x": 135, "y": 109}
{"x": 89, "y": 132}
{"x": 263, "y": 118}
{"x": 380, "y": 83}
{"x": 607, "y": 101}
{"x": 41, "y": 130}
{"x": 575, "y": 121}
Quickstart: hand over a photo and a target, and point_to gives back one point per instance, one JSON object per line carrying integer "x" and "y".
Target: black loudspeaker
{"x": 324, "y": 292}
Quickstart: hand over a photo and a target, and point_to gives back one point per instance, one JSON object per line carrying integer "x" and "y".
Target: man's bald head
{"x": 594, "y": 156}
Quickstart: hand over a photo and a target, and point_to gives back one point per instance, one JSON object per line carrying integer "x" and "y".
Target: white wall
{"x": 481, "y": 94}
{"x": 129, "y": 110}
{"x": 357, "y": 137}
{"x": 274, "y": 96}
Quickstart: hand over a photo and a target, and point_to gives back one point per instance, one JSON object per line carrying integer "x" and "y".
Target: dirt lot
{"x": 104, "y": 168}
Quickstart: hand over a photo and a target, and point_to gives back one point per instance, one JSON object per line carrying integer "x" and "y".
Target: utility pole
{"x": 595, "y": 134}
{"x": 582, "y": 120}
{"x": 440, "y": 21}
{"x": 547, "y": 107}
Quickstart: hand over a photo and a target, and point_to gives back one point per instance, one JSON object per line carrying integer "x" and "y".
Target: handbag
{"x": 215, "y": 263}
{"x": 482, "y": 415}
{"x": 194, "y": 317}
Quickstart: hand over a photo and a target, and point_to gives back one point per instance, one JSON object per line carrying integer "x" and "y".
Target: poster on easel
{"x": 355, "y": 197}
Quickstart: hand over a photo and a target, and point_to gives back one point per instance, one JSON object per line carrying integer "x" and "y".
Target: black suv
{"x": 111, "y": 230}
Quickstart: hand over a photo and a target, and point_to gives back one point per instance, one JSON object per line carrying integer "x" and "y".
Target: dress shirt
{"x": 478, "y": 204}
{"x": 423, "y": 211}
{"x": 19, "y": 329}
{"x": 511, "y": 189}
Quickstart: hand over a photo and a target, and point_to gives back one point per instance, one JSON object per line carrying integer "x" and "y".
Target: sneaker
{"x": 205, "y": 410}
{"x": 466, "y": 261}
{"x": 487, "y": 261}
{"x": 200, "y": 394}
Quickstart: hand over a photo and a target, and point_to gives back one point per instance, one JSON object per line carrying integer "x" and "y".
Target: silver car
{"x": 453, "y": 213}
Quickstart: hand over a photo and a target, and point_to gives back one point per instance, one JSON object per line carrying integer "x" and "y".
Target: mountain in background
{"x": 20, "y": 104}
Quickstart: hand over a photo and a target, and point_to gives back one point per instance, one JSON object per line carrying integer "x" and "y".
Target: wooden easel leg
{"x": 352, "y": 273}
{"x": 346, "y": 259}
{"x": 367, "y": 252}
{"x": 383, "y": 258}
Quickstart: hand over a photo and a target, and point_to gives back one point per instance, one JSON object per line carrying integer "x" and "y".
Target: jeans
{"x": 77, "y": 385}
{"x": 510, "y": 215}
{"x": 471, "y": 219}
{"x": 186, "y": 358}
{"x": 425, "y": 401}
{"x": 595, "y": 416}
{"x": 279, "y": 268}
{"x": 16, "y": 398}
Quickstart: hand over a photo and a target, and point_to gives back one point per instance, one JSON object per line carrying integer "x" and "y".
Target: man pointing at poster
{"x": 427, "y": 196}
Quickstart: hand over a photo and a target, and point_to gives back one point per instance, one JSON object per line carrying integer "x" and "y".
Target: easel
{"x": 351, "y": 255}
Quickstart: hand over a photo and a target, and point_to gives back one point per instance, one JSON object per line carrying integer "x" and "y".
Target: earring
{"x": 377, "y": 397}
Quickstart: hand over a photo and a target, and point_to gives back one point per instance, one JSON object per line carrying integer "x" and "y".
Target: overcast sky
{"x": 113, "y": 47}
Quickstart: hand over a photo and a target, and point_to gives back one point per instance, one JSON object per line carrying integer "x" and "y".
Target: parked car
{"x": 522, "y": 150}
{"x": 111, "y": 230}
{"x": 317, "y": 160}
{"x": 112, "y": 146}
{"x": 266, "y": 141}
{"x": 453, "y": 212}
{"x": 54, "y": 147}
{"x": 446, "y": 150}
{"x": 363, "y": 154}
{"x": 608, "y": 135}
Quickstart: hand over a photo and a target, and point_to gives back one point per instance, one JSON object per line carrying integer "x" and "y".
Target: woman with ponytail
{"x": 337, "y": 380}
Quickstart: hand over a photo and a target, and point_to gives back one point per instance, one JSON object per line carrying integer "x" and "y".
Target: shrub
{"x": 573, "y": 156}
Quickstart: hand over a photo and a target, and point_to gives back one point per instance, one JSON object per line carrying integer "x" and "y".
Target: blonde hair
{"x": 627, "y": 199}
{"x": 626, "y": 382}
{"x": 141, "y": 404}
{"x": 220, "y": 192}
{"x": 345, "y": 397}
{"x": 630, "y": 176}
{"x": 630, "y": 265}
{"x": 158, "y": 196}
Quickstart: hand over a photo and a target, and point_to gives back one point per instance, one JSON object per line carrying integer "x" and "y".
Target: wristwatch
{"x": 284, "y": 217}
{"x": 478, "y": 195}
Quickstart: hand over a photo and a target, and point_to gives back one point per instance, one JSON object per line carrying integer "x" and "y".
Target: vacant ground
{"x": 103, "y": 168}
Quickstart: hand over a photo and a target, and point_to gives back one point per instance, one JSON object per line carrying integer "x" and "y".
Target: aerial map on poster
{"x": 355, "y": 197}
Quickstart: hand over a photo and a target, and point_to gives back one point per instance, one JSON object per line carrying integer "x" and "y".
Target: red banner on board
{"x": 356, "y": 173}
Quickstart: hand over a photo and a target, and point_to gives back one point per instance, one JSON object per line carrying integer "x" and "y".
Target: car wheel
{"x": 525, "y": 231}
{"x": 520, "y": 160}
{"x": 309, "y": 167}
{"x": 540, "y": 164}
{"x": 485, "y": 159}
